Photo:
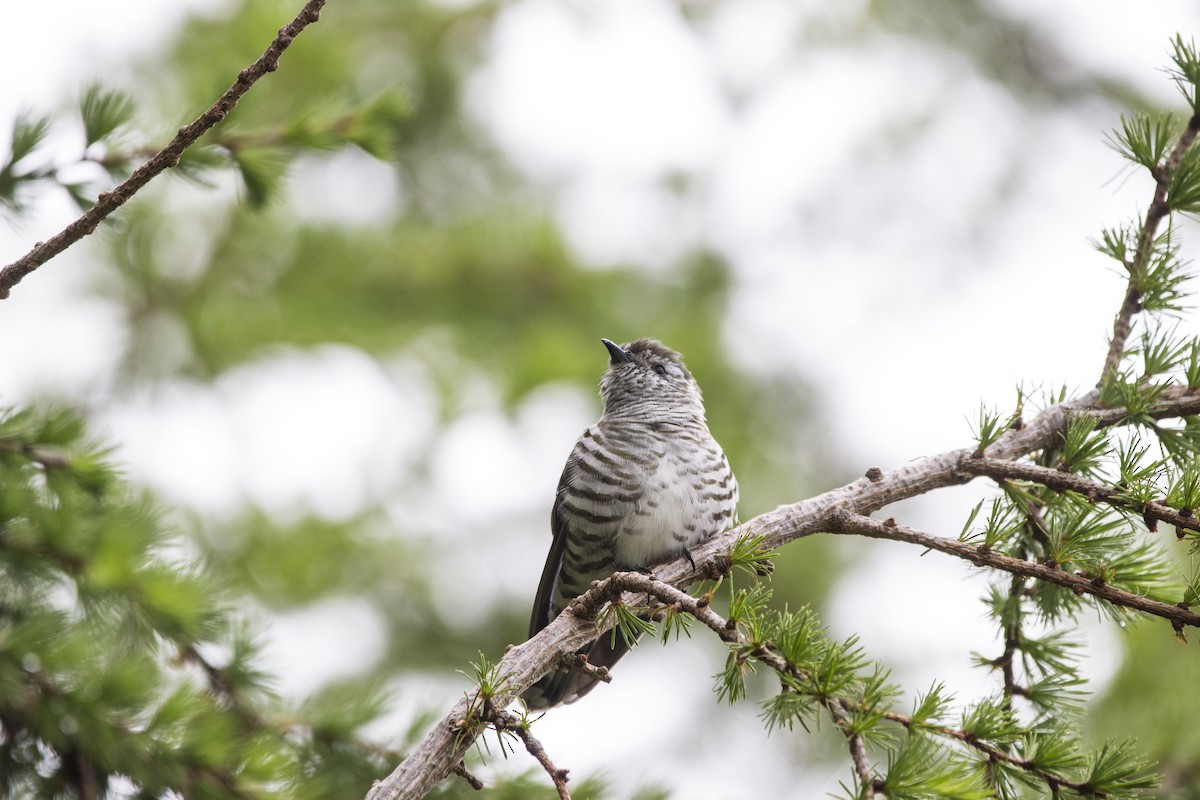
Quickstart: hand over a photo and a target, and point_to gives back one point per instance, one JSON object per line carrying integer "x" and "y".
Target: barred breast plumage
{"x": 646, "y": 482}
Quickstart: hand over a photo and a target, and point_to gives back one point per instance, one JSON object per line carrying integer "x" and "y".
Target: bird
{"x": 646, "y": 482}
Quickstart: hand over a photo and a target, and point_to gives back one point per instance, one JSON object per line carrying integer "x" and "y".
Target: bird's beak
{"x": 618, "y": 355}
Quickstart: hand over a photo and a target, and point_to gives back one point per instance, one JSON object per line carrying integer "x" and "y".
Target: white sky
{"x": 849, "y": 286}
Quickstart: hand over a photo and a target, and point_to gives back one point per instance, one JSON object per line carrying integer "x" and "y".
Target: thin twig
{"x": 47, "y": 458}
{"x": 1012, "y": 622}
{"x": 839, "y": 711}
{"x": 85, "y": 781}
{"x": 508, "y": 722}
{"x": 845, "y": 521}
{"x": 460, "y": 769}
{"x": 228, "y": 692}
{"x": 1092, "y": 490}
{"x": 996, "y": 754}
{"x": 221, "y": 686}
{"x": 168, "y": 157}
{"x": 1012, "y": 643}
{"x": 1158, "y": 210}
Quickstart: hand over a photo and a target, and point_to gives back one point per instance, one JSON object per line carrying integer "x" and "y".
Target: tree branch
{"x": 508, "y": 722}
{"x": 168, "y": 157}
{"x": 460, "y": 769}
{"x": 839, "y": 710}
{"x": 1093, "y": 490}
{"x": 1159, "y": 209}
{"x": 1171, "y": 402}
{"x": 1012, "y": 643}
{"x": 845, "y": 521}
{"x": 996, "y": 754}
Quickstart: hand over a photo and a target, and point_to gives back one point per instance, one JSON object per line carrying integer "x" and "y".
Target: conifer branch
{"x": 222, "y": 686}
{"x": 838, "y": 708}
{"x": 1006, "y": 662}
{"x": 1094, "y": 491}
{"x": 168, "y": 157}
{"x": 1158, "y": 210}
{"x": 839, "y": 711}
{"x": 845, "y": 521}
{"x": 83, "y": 778}
{"x": 1051, "y": 779}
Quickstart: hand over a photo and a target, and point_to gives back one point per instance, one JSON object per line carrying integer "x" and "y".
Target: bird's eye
{"x": 660, "y": 369}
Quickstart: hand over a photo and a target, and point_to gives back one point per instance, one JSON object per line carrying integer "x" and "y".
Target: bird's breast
{"x": 677, "y": 507}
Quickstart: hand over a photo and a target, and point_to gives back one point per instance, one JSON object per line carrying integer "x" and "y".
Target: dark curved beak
{"x": 618, "y": 355}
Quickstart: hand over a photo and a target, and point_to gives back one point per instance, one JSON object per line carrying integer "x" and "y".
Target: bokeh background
{"x": 355, "y": 386}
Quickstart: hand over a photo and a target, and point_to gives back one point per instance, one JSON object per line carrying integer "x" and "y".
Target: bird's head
{"x": 648, "y": 380}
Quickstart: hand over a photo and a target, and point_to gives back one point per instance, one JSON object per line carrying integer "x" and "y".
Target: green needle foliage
{"x": 629, "y": 622}
{"x": 922, "y": 768}
{"x": 103, "y": 113}
{"x": 123, "y": 670}
{"x": 16, "y": 173}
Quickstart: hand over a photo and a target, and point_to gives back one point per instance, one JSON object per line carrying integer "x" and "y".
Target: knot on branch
{"x": 577, "y": 662}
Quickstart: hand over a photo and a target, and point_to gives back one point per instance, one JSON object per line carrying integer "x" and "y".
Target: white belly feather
{"x": 669, "y": 502}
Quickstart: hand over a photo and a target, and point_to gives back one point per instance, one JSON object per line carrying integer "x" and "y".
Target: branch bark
{"x": 168, "y": 157}
{"x": 846, "y": 506}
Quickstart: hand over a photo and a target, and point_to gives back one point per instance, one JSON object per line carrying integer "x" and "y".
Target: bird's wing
{"x": 562, "y": 686}
{"x": 543, "y": 602}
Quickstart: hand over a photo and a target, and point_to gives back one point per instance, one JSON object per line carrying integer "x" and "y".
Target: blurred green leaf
{"x": 103, "y": 112}
{"x": 262, "y": 170}
{"x": 29, "y": 131}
